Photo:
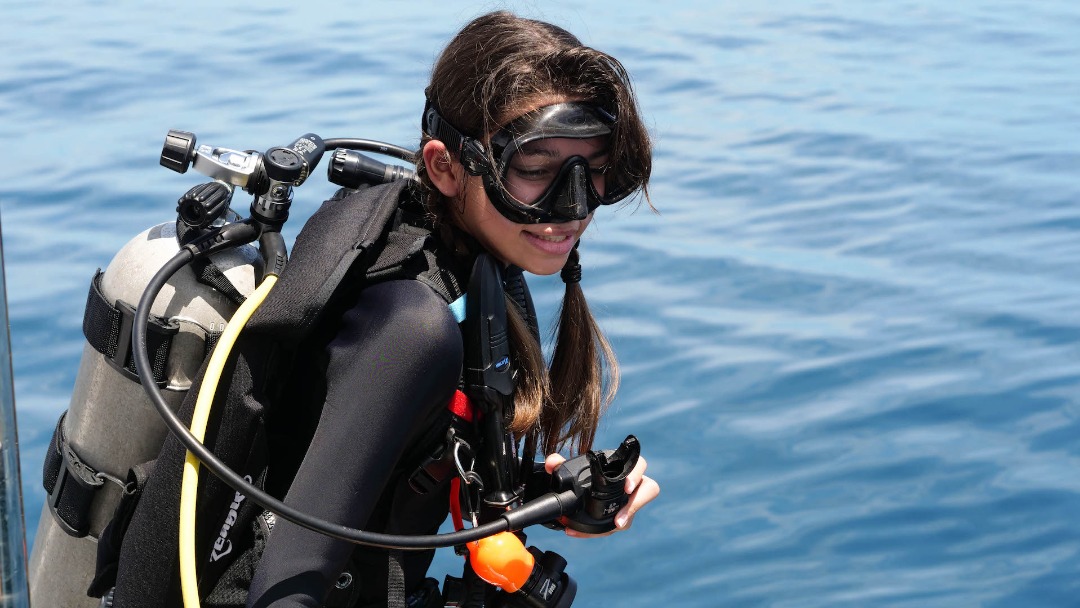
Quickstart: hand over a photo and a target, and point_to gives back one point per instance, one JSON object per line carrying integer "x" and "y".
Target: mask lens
{"x": 554, "y": 164}
{"x": 531, "y": 171}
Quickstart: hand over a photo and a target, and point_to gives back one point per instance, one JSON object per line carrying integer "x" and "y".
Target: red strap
{"x": 455, "y": 503}
{"x": 461, "y": 406}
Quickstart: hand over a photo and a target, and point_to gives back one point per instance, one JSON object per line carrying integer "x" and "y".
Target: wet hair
{"x": 498, "y": 66}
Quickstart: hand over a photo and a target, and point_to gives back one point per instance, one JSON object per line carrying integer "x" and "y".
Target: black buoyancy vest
{"x": 357, "y": 238}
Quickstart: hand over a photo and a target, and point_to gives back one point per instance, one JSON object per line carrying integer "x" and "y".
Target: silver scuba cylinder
{"x": 110, "y": 425}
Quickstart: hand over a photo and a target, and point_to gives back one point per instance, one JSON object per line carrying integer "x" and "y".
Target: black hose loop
{"x": 238, "y": 483}
{"x": 371, "y": 145}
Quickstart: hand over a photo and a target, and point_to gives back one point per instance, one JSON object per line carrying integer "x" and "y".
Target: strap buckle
{"x": 440, "y": 464}
{"x": 74, "y": 485}
{"x": 71, "y": 495}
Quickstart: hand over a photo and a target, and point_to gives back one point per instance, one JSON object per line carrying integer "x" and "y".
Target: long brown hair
{"x": 498, "y": 64}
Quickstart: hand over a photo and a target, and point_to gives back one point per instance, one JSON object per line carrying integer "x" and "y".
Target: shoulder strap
{"x": 341, "y": 233}
{"x": 358, "y": 237}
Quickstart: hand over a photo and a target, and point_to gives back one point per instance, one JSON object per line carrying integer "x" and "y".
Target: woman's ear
{"x": 446, "y": 174}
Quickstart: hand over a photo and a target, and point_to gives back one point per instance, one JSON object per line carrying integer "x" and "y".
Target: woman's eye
{"x": 533, "y": 174}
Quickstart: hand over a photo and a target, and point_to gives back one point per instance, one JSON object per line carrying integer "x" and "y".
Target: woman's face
{"x": 538, "y": 248}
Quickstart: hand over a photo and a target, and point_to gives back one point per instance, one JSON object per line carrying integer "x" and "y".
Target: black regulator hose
{"x": 370, "y": 145}
{"x": 546, "y": 508}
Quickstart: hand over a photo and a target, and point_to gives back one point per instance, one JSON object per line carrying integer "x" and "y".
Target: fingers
{"x": 645, "y": 492}
{"x": 641, "y": 489}
{"x": 553, "y": 461}
{"x": 575, "y": 534}
{"x": 634, "y": 478}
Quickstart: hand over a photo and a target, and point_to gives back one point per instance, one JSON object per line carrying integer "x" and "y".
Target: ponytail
{"x": 563, "y": 406}
{"x": 584, "y": 372}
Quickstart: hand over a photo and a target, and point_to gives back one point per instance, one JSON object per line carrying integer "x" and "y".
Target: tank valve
{"x": 178, "y": 151}
{"x": 203, "y": 204}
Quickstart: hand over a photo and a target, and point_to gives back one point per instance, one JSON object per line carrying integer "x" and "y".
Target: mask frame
{"x": 571, "y": 195}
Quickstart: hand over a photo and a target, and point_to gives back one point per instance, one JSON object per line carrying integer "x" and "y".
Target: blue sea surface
{"x": 850, "y": 338}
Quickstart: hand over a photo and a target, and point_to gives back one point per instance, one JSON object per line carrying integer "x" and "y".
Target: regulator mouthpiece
{"x": 609, "y": 472}
{"x": 598, "y": 479}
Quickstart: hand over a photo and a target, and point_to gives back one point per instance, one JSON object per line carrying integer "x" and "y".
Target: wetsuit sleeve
{"x": 396, "y": 360}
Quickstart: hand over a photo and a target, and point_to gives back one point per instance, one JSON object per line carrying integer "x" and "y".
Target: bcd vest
{"x": 358, "y": 238}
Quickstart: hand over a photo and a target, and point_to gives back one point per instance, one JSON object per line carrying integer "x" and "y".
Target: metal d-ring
{"x": 465, "y": 474}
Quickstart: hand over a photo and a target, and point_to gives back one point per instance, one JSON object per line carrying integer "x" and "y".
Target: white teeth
{"x": 553, "y": 239}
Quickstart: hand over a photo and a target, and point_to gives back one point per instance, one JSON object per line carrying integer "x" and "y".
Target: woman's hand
{"x": 641, "y": 489}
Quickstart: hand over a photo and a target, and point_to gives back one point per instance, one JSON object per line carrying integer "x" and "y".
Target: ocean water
{"x": 849, "y": 338}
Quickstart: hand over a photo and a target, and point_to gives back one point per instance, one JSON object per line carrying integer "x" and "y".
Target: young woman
{"x": 526, "y": 132}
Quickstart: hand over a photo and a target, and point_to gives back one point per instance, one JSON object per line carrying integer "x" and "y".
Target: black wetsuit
{"x": 391, "y": 369}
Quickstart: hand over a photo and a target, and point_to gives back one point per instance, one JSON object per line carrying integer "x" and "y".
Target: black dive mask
{"x": 548, "y": 166}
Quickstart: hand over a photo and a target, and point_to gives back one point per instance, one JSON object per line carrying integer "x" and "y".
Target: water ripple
{"x": 849, "y": 339}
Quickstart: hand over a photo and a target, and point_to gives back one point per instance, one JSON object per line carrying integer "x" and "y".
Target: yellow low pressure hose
{"x": 189, "y": 582}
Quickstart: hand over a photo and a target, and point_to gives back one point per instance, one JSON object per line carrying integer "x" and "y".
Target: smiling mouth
{"x": 551, "y": 238}
{"x": 551, "y": 244}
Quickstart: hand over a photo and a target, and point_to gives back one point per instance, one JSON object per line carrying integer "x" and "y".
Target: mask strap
{"x": 468, "y": 151}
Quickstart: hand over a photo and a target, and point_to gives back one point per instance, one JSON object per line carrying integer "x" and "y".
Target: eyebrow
{"x": 535, "y": 149}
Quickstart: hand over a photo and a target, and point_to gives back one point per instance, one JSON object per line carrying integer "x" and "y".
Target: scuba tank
{"x": 110, "y": 426}
{"x": 104, "y": 445}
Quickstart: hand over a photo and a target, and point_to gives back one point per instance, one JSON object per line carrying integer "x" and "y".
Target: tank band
{"x": 107, "y": 328}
